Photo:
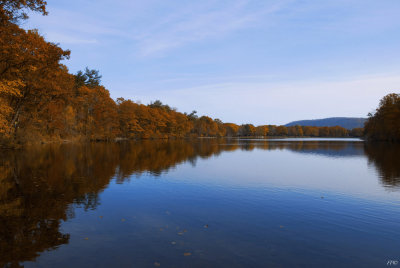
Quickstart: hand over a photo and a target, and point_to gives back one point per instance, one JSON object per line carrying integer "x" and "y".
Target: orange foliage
{"x": 41, "y": 101}
{"x": 385, "y": 123}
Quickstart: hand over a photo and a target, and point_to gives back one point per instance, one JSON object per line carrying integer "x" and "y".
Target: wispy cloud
{"x": 68, "y": 39}
{"x": 72, "y": 27}
{"x": 179, "y": 25}
{"x": 240, "y": 60}
{"x": 186, "y": 26}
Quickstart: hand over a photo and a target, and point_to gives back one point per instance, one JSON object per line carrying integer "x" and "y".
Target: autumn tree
{"x": 299, "y": 130}
{"x": 221, "y": 132}
{"x": 357, "y": 132}
{"x": 261, "y": 131}
{"x": 28, "y": 66}
{"x": 231, "y": 129}
{"x": 385, "y": 123}
{"x": 247, "y": 130}
{"x": 323, "y": 132}
{"x": 205, "y": 127}
{"x": 281, "y": 131}
{"x": 16, "y": 10}
{"x": 129, "y": 125}
{"x": 292, "y": 131}
{"x": 30, "y": 76}
{"x": 310, "y": 131}
{"x": 272, "y": 130}
{"x": 338, "y": 131}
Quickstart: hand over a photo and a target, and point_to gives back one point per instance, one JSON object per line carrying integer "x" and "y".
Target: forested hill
{"x": 346, "y": 122}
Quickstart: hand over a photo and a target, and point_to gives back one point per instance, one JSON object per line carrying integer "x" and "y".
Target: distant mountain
{"x": 346, "y": 122}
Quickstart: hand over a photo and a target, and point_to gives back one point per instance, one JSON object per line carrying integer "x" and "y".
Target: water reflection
{"x": 334, "y": 148}
{"x": 385, "y": 157}
{"x": 40, "y": 187}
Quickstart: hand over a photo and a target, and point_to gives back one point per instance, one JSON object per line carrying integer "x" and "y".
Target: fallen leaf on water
{"x": 86, "y": 238}
{"x": 100, "y": 217}
{"x": 281, "y": 226}
{"x": 206, "y": 226}
{"x": 123, "y": 220}
{"x": 157, "y": 264}
{"x": 187, "y": 254}
{"x": 184, "y": 230}
{"x": 161, "y": 229}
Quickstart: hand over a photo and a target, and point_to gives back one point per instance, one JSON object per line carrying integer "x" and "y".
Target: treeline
{"x": 292, "y": 131}
{"x": 384, "y": 124}
{"x": 41, "y": 101}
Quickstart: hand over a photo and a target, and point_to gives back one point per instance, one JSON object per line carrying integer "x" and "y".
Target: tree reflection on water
{"x": 41, "y": 186}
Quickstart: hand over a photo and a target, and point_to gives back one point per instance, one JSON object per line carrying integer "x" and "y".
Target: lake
{"x": 201, "y": 203}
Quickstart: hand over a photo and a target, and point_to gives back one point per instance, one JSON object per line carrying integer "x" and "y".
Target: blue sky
{"x": 260, "y": 62}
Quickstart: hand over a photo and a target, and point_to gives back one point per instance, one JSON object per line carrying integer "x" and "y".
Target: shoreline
{"x": 120, "y": 139}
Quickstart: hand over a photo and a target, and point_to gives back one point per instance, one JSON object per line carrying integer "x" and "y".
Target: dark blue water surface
{"x": 202, "y": 203}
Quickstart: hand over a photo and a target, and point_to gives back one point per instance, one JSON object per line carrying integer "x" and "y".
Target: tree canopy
{"x": 16, "y": 10}
{"x": 384, "y": 124}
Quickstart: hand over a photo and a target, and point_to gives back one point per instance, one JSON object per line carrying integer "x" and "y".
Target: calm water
{"x": 205, "y": 203}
